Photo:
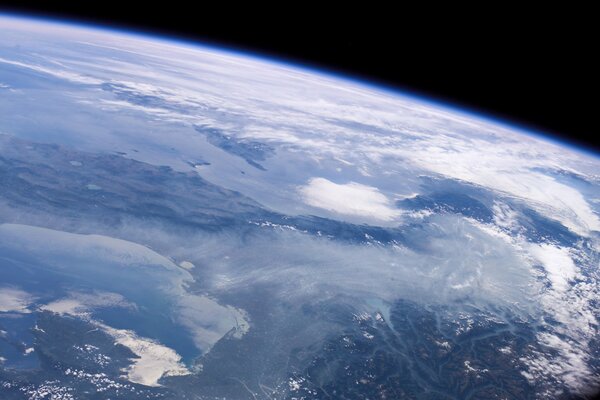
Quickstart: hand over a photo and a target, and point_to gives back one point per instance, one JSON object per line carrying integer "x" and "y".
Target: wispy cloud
{"x": 15, "y": 300}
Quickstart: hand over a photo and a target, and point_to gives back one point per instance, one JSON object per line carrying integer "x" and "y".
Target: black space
{"x": 530, "y": 69}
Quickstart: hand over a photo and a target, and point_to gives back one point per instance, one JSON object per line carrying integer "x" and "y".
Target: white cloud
{"x": 558, "y": 264}
{"x": 350, "y": 199}
{"x": 569, "y": 301}
{"x": 14, "y": 300}
{"x": 507, "y": 170}
{"x": 57, "y": 73}
{"x": 81, "y": 303}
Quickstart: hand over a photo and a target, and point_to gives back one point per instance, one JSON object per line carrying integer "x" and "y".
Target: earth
{"x": 183, "y": 222}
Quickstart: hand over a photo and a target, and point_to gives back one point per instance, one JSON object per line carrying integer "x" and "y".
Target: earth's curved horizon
{"x": 179, "y": 221}
{"x": 521, "y": 125}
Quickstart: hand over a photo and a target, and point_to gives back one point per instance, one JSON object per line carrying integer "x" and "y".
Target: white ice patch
{"x": 350, "y": 199}
{"x": 155, "y": 360}
{"x": 14, "y": 300}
